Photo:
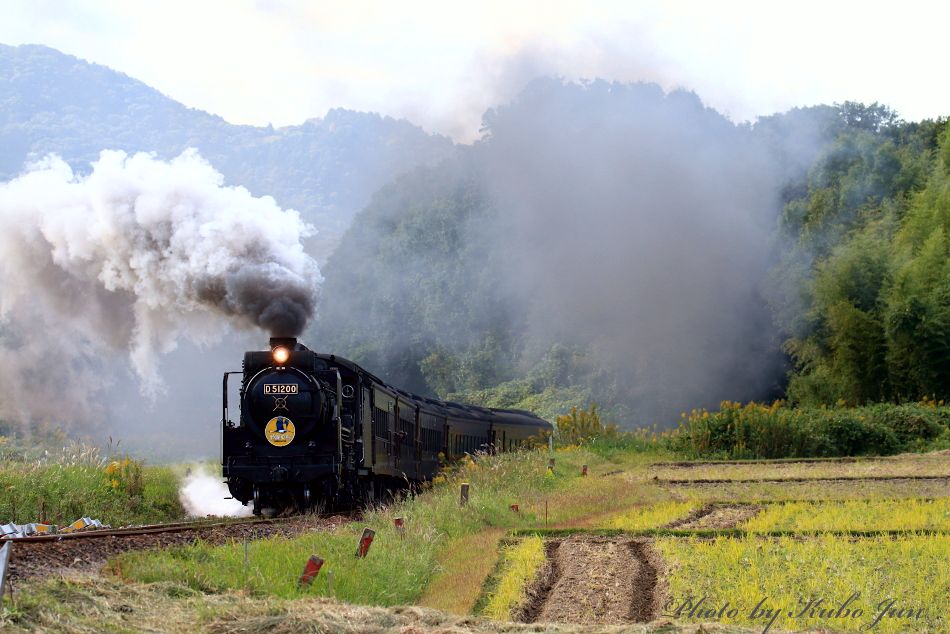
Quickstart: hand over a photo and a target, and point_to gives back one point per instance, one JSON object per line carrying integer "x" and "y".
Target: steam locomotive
{"x": 319, "y": 430}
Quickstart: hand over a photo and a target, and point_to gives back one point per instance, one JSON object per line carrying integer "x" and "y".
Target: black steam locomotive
{"x": 316, "y": 429}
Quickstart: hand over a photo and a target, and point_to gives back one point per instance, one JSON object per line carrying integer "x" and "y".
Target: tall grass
{"x": 73, "y": 480}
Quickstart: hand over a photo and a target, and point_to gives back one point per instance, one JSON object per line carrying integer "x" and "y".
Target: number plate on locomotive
{"x": 280, "y": 388}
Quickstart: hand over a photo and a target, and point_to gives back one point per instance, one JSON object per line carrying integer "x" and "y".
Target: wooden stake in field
{"x": 310, "y": 570}
{"x": 551, "y": 465}
{"x": 365, "y": 541}
{"x": 463, "y": 494}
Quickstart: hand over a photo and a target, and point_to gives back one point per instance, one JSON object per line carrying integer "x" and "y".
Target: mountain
{"x": 325, "y": 168}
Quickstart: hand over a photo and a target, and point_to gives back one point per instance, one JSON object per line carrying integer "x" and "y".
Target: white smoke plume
{"x": 203, "y": 495}
{"x": 128, "y": 260}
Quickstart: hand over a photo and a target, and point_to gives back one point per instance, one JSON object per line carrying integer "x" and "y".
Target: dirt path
{"x": 596, "y": 580}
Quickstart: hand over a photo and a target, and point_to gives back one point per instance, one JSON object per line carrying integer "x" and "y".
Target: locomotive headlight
{"x": 281, "y": 354}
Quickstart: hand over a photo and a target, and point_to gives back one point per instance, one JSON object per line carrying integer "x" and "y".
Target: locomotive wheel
{"x": 257, "y": 500}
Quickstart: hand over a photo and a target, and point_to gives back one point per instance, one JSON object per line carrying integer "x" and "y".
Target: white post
{"x": 4, "y": 560}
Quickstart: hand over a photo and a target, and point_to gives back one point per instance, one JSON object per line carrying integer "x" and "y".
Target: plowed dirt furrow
{"x": 602, "y": 580}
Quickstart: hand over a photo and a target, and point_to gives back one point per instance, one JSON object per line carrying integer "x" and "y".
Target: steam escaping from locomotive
{"x": 130, "y": 259}
{"x": 203, "y": 494}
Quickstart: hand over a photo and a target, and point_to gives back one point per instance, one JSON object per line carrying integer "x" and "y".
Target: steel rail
{"x": 150, "y": 529}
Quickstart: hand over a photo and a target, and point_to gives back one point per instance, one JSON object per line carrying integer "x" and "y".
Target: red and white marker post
{"x": 310, "y": 570}
{"x": 366, "y": 541}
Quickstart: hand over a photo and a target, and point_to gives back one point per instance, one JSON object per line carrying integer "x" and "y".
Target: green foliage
{"x": 873, "y": 117}
{"x": 776, "y": 431}
{"x": 863, "y": 293}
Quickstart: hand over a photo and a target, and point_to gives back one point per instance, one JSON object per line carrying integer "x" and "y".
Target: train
{"x": 319, "y": 431}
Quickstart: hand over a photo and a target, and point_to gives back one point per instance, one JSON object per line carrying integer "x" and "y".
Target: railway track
{"x": 87, "y": 552}
{"x": 172, "y": 527}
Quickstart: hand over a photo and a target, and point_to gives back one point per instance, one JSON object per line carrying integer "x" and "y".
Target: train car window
{"x": 380, "y": 423}
{"x": 407, "y": 425}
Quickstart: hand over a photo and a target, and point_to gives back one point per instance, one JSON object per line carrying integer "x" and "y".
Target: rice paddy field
{"x": 643, "y": 541}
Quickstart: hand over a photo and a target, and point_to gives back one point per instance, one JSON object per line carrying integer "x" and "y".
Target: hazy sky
{"x": 442, "y": 63}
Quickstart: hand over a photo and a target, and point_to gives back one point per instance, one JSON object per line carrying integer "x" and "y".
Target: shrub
{"x": 583, "y": 426}
{"x": 775, "y": 431}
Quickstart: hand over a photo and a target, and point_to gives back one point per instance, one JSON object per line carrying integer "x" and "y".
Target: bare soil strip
{"x": 816, "y": 479}
{"x": 42, "y": 558}
{"x": 765, "y": 461}
{"x": 718, "y": 516}
{"x": 699, "y": 513}
{"x": 596, "y": 580}
{"x": 757, "y": 492}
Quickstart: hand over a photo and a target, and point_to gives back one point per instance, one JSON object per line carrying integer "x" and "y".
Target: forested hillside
{"x": 864, "y": 280}
{"x": 603, "y": 242}
{"x": 325, "y": 168}
{"x": 616, "y": 244}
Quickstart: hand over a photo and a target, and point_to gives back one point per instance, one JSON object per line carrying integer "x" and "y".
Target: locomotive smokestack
{"x": 286, "y": 342}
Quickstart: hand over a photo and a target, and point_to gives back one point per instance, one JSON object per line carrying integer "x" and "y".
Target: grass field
{"x": 786, "y": 573}
{"x": 454, "y": 558}
{"x": 438, "y": 544}
{"x": 653, "y": 516}
{"x": 911, "y": 465}
{"x": 870, "y": 515}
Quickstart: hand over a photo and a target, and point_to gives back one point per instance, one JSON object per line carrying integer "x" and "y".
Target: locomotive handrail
{"x": 338, "y": 414}
{"x": 224, "y": 410}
